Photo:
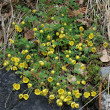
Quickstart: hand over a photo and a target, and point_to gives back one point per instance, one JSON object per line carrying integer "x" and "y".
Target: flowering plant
{"x": 53, "y": 64}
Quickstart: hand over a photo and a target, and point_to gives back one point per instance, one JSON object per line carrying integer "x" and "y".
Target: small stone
{"x": 105, "y": 71}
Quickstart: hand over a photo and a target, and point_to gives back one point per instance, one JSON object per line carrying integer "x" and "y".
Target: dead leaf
{"x": 83, "y": 22}
{"x": 81, "y": 2}
{"x": 77, "y": 12}
{"x": 70, "y": 87}
{"x": 28, "y": 34}
{"x": 71, "y": 78}
{"x": 105, "y": 57}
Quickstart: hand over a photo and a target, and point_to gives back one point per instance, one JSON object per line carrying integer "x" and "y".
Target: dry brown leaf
{"x": 70, "y": 87}
{"x": 83, "y": 21}
{"x": 81, "y": 2}
{"x": 71, "y": 78}
{"x": 28, "y": 34}
{"x": 105, "y": 57}
{"x": 76, "y": 12}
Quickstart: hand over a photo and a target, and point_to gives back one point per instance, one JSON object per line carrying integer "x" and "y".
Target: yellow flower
{"x": 105, "y": 44}
{"x": 73, "y": 62}
{"x": 58, "y": 84}
{"x": 22, "y": 22}
{"x": 77, "y": 95}
{"x": 19, "y": 30}
{"x": 25, "y": 80}
{"x": 33, "y": 11}
{"x": 50, "y": 79}
{"x": 37, "y": 92}
{"x": 48, "y": 37}
{"x": 62, "y": 14}
{"x": 42, "y": 25}
{"x": 13, "y": 23}
{"x": 45, "y": 92}
{"x": 41, "y": 31}
{"x": 77, "y": 46}
{"x": 16, "y": 64}
{"x": 68, "y": 98}
{"x": 23, "y": 52}
{"x": 14, "y": 68}
{"x": 9, "y": 55}
{"x": 28, "y": 57}
{"x": 75, "y": 92}
{"x": 73, "y": 104}
{"x": 62, "y": 97}
{"x": 52, "y": 97}
{"x": 78, "y": 82}
{"x": 61, "y": 36}
{"x": 93, "y": 93}
{"x": 26, "y": 51}
{"x": 57, "y": 33}
{"x": 21, "y": 65}
{"x": 34, "y": 29}
{"x": 67, "y": 56}
{"x": 69, "y": 93}
{"x": 48, "y": 43}
{"x": 76, "y": 105}
{"x": 61, "y": 91}
{"x": 59, "y": 102}
{"x": 64, "y": 68}
{"x": 5, "y": 63}
{"x": 11, "y": 41}
{"x": 26, "y": 96}
{"x": 86, "y": 94}
{"x": 91, "y": 35}
{"x": 53, "y": 46}
{"x": 52, "y": 71}
{"x": 77, "y": 57}
{"x": 81, "y": 28}
{"x": 71, "y": 43}
{"x": 41, "y": 63}
{"x": 83, "y": 82}
{"x": 93, "y": 50}
{"x": 56, "y": 58}
{"x": 82, "y": 66}
{"x": 52, "y": 18}
{"x": 20, "y": 96}
{"x": 29, "y": 85}
{"x": 90, "y": 44}
{"x": 16, "y": 86}
{"x": 65, "y": 24}
{"x": 94, "y": 28}
{"x": 16, "y": 60}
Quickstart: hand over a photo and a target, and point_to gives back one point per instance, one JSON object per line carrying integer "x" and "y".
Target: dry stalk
{"x": 6, "y": 31}
{"x": 108, "y": 17}
{"x": 100, "y": 88}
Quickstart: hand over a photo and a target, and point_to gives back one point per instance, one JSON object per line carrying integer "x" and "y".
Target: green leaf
{"x": 27, "y": 73}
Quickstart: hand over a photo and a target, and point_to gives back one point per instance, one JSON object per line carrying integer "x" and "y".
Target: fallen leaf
{"x": 71, "y": 78}
{"x": 76, "y": 12}
{"x": 70, "y": 87}
{"x": 105, "y": 57}
{"x": 81, "y": 1}
{"x": 83, "y": 21}
{"x": 28, "y": 34}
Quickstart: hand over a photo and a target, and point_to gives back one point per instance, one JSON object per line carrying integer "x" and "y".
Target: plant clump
{"x": 54, "y": 62}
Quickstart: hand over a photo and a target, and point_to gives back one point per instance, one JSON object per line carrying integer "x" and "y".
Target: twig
{"x": 108, "y": 90}
{"x": 100, "y": 88}
{"x": 59, "y": 53}
{"x": 4, "y": 36}
{"x": 7, "y": 99}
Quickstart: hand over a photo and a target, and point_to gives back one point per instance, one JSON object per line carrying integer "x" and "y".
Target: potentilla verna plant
{"x": 53, "y": 63}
